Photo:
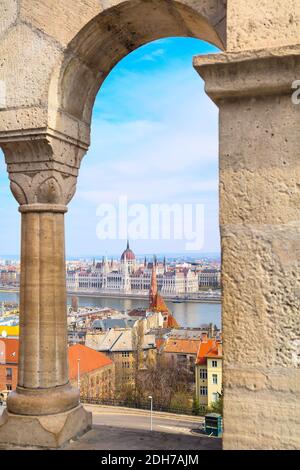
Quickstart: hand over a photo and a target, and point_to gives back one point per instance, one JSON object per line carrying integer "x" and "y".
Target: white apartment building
{"x": 209, "y": 278}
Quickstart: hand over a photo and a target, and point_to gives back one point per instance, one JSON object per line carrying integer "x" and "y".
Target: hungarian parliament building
{"x": 129, "y": 276}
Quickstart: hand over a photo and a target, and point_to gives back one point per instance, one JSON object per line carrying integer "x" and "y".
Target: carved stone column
{"x": 44, "y": 410}
{"x": 260, "y": 232}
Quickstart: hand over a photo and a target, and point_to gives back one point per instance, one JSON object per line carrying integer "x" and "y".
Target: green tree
{"x": 217, "y": 407}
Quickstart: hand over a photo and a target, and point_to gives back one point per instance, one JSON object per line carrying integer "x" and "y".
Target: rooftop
{"x": 209, "y": 348}
{"x": 184, "y": 346}
{"x": 89, "y": 360}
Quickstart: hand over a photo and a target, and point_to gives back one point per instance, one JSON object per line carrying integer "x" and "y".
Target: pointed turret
{"x": 153, "y": 285}
{"x": 157, "y": 303}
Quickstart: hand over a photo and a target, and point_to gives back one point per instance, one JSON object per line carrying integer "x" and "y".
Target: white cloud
{"x": 171, "y": 155}
{"x": 152, "y": 56}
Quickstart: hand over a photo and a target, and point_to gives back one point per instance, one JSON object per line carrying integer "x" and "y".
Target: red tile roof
{"x": 89, "y": 360}
{"x": 171, "y": 322}
{"x": 216, "y": 351}
{"x": 184, "y": 346}
{"x": 159, "y": 342}
{"x": 209, "y": 348}
{"x": 9, "y": 350}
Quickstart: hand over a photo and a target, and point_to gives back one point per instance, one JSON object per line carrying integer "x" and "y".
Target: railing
{"x": 142, "y": 405}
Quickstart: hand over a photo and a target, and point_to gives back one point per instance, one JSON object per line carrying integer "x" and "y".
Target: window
{"x": 203, "y": 374}
{"x": 125, "y": 354}
{"x": 8, "y": 387}
{"x": 215, "y": 379}
{"x": 203, "y": 391}
{"x": 8, "y": 373}
{"x": 215, "y": 397}
{"x": 214, "y": 363}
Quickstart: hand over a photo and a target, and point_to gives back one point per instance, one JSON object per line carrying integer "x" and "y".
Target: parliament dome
{"x": 128, "y": 254}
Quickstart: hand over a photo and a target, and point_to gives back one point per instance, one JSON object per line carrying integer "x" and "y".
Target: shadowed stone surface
{"x": 110, "y": 438}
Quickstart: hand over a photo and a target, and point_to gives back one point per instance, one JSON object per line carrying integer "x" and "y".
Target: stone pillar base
{"x": 49, "y": 431}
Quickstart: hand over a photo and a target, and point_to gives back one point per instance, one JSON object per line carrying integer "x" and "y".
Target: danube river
{"x": 187, "y": 314}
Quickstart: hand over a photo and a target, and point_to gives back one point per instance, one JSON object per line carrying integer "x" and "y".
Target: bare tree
{"x": 138, "y": 358}
{"x": 164, "y": 381}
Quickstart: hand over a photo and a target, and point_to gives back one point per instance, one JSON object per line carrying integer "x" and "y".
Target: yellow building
{"x": 9, "y": 331}
{"x": 208, "y": 372}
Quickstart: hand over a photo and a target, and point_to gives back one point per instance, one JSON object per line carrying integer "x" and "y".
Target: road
{"x": 140, "y": 419}
{"x": 119, "y": 417}
{"x": 170, "y": 432}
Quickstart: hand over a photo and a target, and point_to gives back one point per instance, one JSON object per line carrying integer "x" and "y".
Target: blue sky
{"x": 154, "y": 139}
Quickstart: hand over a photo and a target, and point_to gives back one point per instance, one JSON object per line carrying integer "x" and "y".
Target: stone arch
{"x": 44, "y": 136}
{"x": 113, "y": 34}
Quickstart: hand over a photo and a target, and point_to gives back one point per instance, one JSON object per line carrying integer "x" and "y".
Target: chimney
{"x": 220, "y": 349}
{"x": 204, "y": 337}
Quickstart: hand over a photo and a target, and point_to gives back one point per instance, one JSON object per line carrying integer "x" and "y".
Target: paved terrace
{"x": 116, "y": 428}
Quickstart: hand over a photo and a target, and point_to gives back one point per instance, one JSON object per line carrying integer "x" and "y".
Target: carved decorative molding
{"x": 249, "y": 74}
{"x": 43, "y": 170}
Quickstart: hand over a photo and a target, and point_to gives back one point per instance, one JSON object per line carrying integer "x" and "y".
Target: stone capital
{"x": 249, "y": 74}
{"x": 42, "y": 170}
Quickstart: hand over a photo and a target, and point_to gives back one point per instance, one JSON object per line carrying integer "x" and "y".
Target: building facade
{"x": 208, "y": 373}
{"x": 129, "y": 276}
{"x": 129, "y": 349}
{"x": 9, "y": 354}
{"x": 93, "y": 372}
{"x": 209, "y": 278}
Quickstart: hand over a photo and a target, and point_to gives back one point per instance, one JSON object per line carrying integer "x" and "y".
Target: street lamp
{"x": 151, "y": 412}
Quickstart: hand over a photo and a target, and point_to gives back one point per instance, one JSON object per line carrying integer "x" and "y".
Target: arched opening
{"x": 177, "y": 138}
{"x": 113, "y": 34}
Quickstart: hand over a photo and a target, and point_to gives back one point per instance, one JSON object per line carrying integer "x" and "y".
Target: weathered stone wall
{"x": 260, "y": 230}
{"x": 259, "y": 24}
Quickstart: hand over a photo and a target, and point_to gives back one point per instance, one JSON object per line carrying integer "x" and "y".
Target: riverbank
{"x": 188, "y": 314}
{"x": 142, "y": 297}
{"x": 134, "y": 296}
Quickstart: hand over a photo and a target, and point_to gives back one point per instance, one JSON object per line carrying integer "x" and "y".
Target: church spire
{"x": 153, "y": 285}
